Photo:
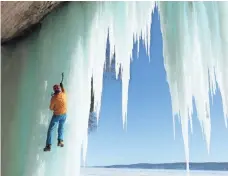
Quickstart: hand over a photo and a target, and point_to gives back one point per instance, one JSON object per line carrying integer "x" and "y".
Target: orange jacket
{"x": 58, "y": 103}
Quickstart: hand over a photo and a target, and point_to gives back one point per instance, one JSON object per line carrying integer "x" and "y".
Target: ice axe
{"x": 61, "y": 82}
{"x": 62, "y": 77}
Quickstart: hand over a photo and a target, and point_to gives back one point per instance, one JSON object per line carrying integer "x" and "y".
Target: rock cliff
{"x": 18, "y": 18}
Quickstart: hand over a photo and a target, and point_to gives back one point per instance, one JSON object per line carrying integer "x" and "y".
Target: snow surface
{"x": 146, "y": 172}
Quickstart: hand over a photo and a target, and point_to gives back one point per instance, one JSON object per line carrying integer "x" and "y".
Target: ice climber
{"x": 58, "y": 105}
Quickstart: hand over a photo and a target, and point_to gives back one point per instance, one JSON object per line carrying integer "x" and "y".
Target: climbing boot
{"x": 60, "y": 143}
{"x": 47, "y": 148}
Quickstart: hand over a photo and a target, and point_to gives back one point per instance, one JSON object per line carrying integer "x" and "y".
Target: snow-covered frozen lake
{"x": 146, "y": 172}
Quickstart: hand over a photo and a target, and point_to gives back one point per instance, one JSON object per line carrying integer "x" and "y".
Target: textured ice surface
{"x": 72, "y": 40}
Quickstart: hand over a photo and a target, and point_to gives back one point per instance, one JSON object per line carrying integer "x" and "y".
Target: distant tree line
{"x": 92, "y": 123}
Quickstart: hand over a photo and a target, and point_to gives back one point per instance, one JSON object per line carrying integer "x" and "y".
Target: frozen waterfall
{"x": 196, "y": 57}
{"x": 73, "y": 39}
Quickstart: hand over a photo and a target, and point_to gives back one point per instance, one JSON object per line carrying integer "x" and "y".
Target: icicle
{"x": 222, "y": 63}
{"x": 129, "y": 19}
{"x": 195, "y": 49}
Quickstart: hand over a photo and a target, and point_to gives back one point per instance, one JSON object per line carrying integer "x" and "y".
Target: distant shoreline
{"x": 206, "y": 166}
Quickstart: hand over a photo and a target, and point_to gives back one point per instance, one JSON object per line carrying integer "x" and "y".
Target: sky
{"x": 149, "y": 135}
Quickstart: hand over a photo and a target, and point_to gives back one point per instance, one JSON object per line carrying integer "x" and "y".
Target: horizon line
{"x": 210, "y": 162}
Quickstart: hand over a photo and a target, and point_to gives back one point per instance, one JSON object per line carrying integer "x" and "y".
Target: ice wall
{"x": 30, "y": 68}
{"x": 73, "y": 40}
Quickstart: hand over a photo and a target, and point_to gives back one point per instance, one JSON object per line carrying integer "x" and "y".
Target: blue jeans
{"x": 56, "y": 119}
